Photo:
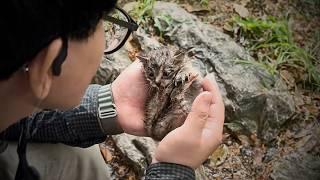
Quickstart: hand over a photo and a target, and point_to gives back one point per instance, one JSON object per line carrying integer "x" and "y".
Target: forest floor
{"x": 303, "y": 20}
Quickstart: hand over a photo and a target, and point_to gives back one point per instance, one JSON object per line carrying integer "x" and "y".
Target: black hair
{"x": 27, "y": 26}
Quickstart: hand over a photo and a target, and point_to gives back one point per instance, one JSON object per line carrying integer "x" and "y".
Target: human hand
{"x": 129, "y": 94}
{"x": 200, "y": 135}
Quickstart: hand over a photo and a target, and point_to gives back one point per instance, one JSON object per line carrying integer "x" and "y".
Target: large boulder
{"x": 254, "y": 103}
{"x": 297, "y": 166}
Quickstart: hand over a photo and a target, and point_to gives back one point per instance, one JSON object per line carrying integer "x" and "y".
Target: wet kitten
{"x": 173, "y": 87}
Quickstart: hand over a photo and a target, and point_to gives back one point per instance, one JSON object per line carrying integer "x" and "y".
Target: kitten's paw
{"x": 182, "y": 78}
{"x": 185, "y": 107}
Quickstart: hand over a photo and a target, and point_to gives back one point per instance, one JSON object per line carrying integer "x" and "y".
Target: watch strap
{"x": 107, "y": 111}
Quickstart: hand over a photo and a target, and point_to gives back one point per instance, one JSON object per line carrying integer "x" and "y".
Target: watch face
{"x": 3, "y": 146}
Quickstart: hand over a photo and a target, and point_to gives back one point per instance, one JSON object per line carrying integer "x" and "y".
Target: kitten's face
{"x": 160, "y": 66}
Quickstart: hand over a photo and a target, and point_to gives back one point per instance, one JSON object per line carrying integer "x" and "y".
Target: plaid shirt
{"x": 81, "y": 127}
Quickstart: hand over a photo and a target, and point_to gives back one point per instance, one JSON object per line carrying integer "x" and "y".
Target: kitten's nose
{"x": 158, "y": 80}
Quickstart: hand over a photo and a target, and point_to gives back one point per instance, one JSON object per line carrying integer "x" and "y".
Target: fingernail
{"x": 207, "y": 98}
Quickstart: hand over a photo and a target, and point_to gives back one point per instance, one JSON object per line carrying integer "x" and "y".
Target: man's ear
{"x": 40, "y": 72}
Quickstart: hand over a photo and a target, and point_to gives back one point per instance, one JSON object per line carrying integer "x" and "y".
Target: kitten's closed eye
{"x": 166, "y": 74}
{"x": 151, "y": 74}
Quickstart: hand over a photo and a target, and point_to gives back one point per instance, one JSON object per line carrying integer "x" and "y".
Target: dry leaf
{"x": 133, "y": 48}
{"x": 288, "y": 77}
{"x": 219, "y": 156}
{"x": 107, "y": 155}
{"x": 195, "y": 9}
{"x": 258, "y": 155}
{"x": 245, "y": 141}
{"x": 241, "y": 10}
{"x": 117, "y": 160}
{"x": 228, "y": 27}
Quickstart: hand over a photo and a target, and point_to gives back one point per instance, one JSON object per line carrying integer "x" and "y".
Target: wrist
{"x": 154, "y": 161}
{"x": 172, "y": 161}
{"x": 117, "y": 102}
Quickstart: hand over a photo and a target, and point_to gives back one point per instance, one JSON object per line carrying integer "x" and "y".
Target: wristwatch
{"x": 107, "y": 113}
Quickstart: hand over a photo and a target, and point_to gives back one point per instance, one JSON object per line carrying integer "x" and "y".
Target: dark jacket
{"x": 77, "y": 127}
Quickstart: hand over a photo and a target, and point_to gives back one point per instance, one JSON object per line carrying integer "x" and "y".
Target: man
{"x": 52, "y": 50}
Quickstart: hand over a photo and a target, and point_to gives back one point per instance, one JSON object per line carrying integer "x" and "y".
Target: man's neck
{"x": 14, "y": 104}
{"x": 11, "y": 113}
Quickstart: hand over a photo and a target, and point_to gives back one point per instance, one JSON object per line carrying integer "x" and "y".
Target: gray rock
{"x": 252, "y": 104}
{"x": 146, "y": 42}
{"x": 138, "y": 149}
{"x": 297, "y": 166}
{"x": 111, "y": 66}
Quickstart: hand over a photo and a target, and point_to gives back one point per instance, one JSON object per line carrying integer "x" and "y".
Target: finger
{"x": 200, "y": 110}
{"x": 135, "y": 71}
{"x": 140, "y": 129}
{"x": 215, "y": 120}
{"x": 209, "y": 84}
{"x": 137, "y": 64}
{"x": 211, "y": 136}
{"x": 214, "y": 124}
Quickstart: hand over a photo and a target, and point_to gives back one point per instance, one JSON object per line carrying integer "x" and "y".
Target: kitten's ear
{"x": 143, "y": 58}
{"x": 178, "y": 57}
{"x": 178, "y": 53}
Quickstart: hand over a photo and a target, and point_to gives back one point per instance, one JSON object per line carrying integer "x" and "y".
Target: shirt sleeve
{"x": 79, "y": 126}
{"x": 167, "y": 171}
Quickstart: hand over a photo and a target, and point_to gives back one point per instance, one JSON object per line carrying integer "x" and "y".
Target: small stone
{"x": 269, "y": 155}
{"x": 246, "y": 152}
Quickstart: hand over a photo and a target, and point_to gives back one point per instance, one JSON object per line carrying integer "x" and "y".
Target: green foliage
{"x": 143, "y": 10}
{"x": 271, "y": 43}
{"x": 204, "y": 2}
{"x": 314, "y": 46}
{"x": 163, "y": 23}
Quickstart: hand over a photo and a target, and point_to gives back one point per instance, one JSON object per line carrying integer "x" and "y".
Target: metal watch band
{"x": 107, "y": 111}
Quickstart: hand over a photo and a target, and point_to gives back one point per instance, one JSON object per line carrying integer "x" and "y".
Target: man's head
{"x": 32, "y": 36}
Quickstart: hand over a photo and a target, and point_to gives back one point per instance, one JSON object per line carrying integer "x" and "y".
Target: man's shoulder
{"x": 3, "y": 145}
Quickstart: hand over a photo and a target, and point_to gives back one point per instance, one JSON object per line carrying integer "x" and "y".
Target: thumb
{"x": 200, "y": 110}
